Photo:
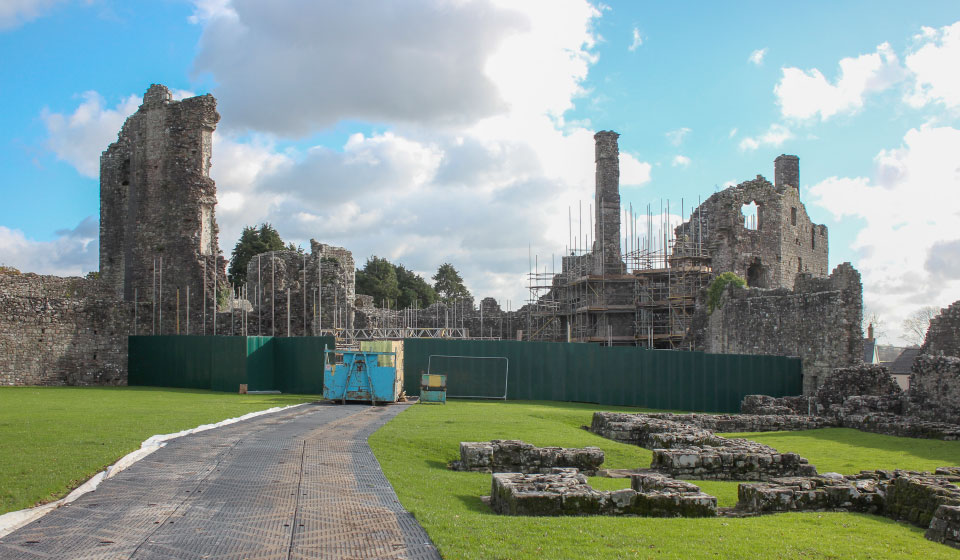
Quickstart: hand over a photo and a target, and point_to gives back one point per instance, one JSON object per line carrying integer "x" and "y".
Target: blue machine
{"x": 360, "y": 376}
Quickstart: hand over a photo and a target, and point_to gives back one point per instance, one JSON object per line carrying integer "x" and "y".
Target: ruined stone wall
{"x": 271, "y": 275}
{"x": 158, "y": 232}
{"x": 61, "y": 331}
{"x": 786, "y": 242}
{"x": 943, "y": 335}
{"x": 819, "y": 322}
{"x": 935, "y": 389}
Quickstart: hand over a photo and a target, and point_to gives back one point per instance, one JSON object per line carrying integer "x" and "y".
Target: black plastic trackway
{"x": 300, "y": 483}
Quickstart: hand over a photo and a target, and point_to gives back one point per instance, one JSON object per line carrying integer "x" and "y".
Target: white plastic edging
{"x": 10, "y": 522}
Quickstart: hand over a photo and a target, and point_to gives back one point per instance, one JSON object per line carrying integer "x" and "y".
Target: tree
{"x": 378, "y": 278}
{"x": 448, "y": 284}
{"x": 253, "y": 241}
{"x": 915, "y": 326}
{"x": 414, "y": 290}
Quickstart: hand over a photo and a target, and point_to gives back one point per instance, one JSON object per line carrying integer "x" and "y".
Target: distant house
{"x": 870, "y": 355}
{"x": 900, "y": 367}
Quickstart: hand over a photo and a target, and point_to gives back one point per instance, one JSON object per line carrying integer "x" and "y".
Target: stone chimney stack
{"x": 607, "y": 202}
{"x": 786, "y": 171}
{"x": 870, "y": 331}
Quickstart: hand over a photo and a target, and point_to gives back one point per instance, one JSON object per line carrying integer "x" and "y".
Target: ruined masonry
{"x": 158, "y": 232}
{"x": 516, "y": 456}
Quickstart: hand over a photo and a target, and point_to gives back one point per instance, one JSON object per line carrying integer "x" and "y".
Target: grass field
{"x": 415, "y": 447}
{"x": 52, "y": 439}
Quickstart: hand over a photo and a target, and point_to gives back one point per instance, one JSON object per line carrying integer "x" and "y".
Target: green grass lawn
{"x": 415, "y": 448}
{"x": 52, "y": 439}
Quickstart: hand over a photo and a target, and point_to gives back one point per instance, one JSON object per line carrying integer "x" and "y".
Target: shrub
{"x": 719, "y": 285}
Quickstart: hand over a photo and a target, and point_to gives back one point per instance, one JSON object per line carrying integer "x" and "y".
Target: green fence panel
{"x": 663, "y": 379}
{"x": 260, "y": 364}
{"x": 298, "y": 363}
{"x": 226, "y": 362}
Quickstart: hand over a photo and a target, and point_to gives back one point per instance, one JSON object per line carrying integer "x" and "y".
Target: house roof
{"x": 904, "y": 361}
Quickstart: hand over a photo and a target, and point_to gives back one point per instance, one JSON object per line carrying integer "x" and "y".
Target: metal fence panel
{"x": 662, "y": 379}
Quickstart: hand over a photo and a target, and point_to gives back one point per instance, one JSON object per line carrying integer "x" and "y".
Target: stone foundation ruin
{"x": 566, "y": 492}
{"x": 686, "y": 450}
{"x": 515, "y": 456}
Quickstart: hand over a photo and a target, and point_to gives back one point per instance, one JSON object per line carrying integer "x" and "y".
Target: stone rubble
{"x": 514, "y": 456}
{"x": 566, "y": 492}
{"x": 687, "y": 450}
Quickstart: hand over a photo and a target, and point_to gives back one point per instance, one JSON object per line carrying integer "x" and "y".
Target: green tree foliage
{"x": 378, "y": 278}
{"x": 448, "y": 284}
{"x": 414, "y": 290}
{"x": 253, "y": 241}
{"x": 719, "y": 285}
{"x": 393, "y": 285}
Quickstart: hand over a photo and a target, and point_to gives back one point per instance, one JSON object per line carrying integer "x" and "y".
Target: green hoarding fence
{"x": 629, "y": 376}
{"x": 223, "y": 363}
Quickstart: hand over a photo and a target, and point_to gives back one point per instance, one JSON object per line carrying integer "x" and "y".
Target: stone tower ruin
{"x": 607, "y": 223}
{"x": 158, "y": 232}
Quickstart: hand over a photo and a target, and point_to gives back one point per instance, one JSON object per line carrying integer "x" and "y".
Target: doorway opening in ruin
{"x": 751, "y": 216}
{"x": 756, "y": 274}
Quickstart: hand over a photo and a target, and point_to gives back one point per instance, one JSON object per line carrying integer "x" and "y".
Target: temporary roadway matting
{"x": 299, "y": 483}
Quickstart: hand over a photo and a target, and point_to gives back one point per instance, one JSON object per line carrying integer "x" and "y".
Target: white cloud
{"x": 73, "y": 253}
{"x": 756, "y": 56}
{"x": 80, "y": 137}
{"x": 680, "y": 161}
{"x": 776, "y": 135}
{"x": 732, "y": 133}
{"x": 17, "y": 12}
{"x": 637, "y": 40}
{"x": 935, "y": 66}
{"x": 806, "y": 94}
{"x": 676, "y": 136}
{"x": 290, "y": 66}
{"x": 423, "y": 189}
{"x": 909, "y": 245}
{"x": 633, "y": 172}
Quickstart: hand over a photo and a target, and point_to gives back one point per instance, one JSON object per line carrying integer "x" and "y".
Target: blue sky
{"x": 432, "y": 131}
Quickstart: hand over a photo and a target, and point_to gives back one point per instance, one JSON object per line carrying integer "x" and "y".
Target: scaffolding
{"x": 650, "y": 304}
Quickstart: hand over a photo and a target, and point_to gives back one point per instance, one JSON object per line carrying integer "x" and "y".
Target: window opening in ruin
{"x": 813, "y": 238}
{"x": 751, "y": 216}
{"x": 206, "y": 229}
{"x": 799, "y": 264}
{"x": 793, "y": 216}
{"x": 756, "y": 274}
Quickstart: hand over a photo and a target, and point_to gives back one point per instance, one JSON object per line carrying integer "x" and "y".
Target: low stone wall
{"x": 684, "y": 448}
{"x": 514, "y": 456}
{"x": 925, "y": 500}
{"x": 566, "y": 492}
{"x": 903, "y": 426}
{"x": 732, "y": 423}
{"x": 740, "y": 459}
{"x": 767, "y": 405}
{"x": 861, "y": 379}
{"x": 945, "y": 526}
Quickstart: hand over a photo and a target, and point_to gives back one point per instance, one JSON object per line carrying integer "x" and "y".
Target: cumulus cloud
{"x": 680, "y": 161}
{"x": 676, "y": 136}
{"x": 756, "y": 56}
{"x": 934, "y": 65}
{"x": 423, "y": 189}
{"x": 637, "y": 40}
{"x": 320, "y": 62}
{"x": 74, "y": 252}
{"x": 80, "y": 137}
{"x": 806, "y": 94}
{"x": 910, "y": 255}
{"x": 776, "y": 135}
{"x": 17, "y": 12}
